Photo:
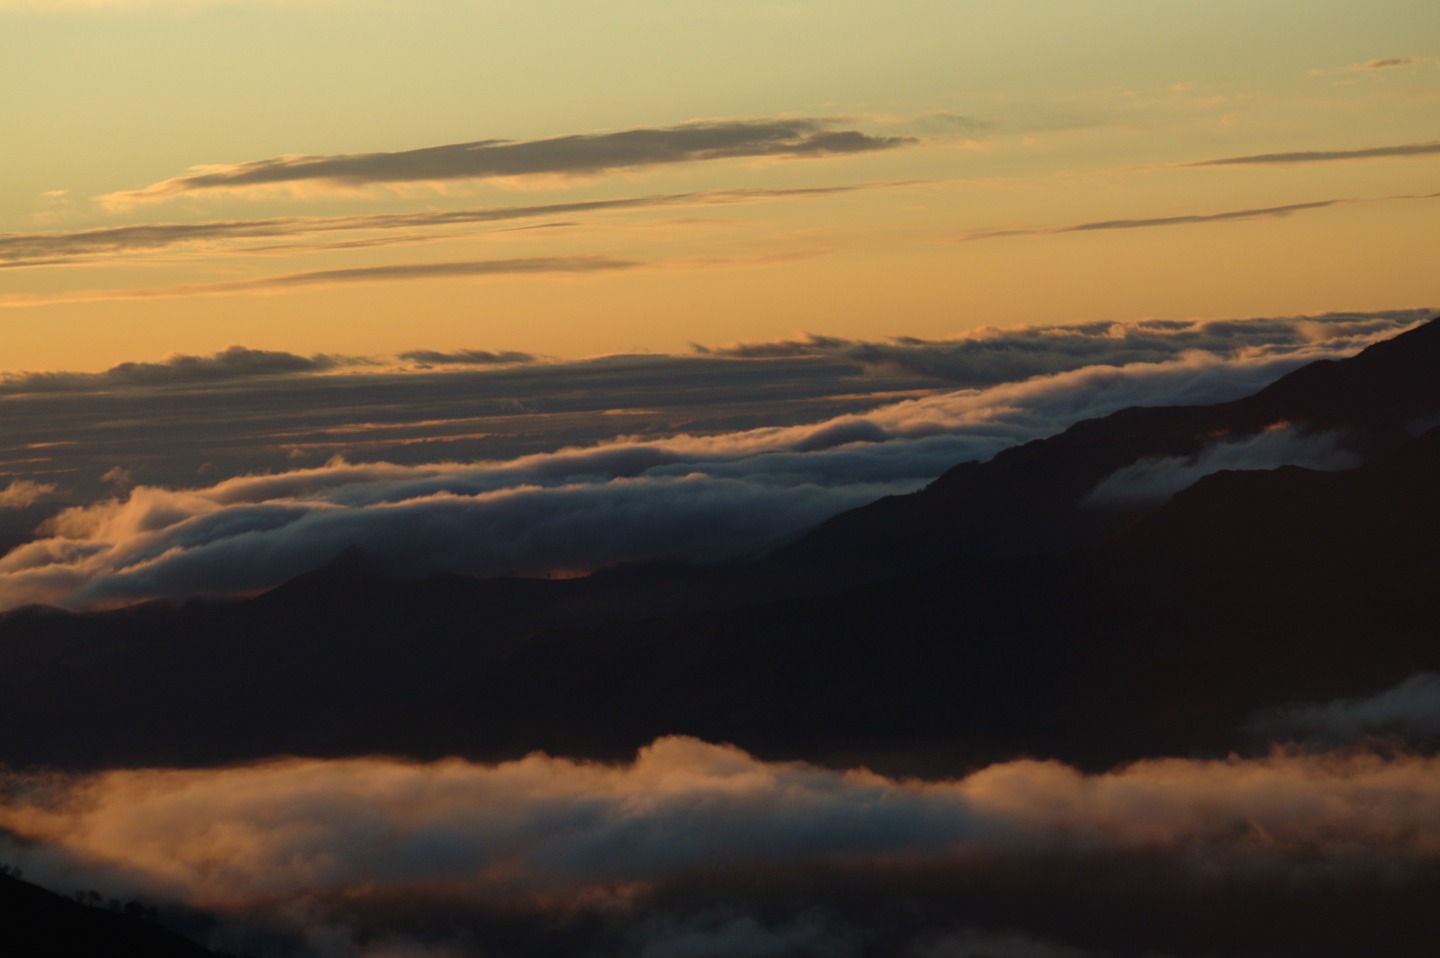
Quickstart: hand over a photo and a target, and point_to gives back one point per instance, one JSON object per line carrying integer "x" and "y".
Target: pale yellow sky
{"x": 683, "y": 171}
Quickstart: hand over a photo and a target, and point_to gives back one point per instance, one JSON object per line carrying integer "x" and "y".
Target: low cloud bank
{"x": 1155, "y": 480}
{"x": 543, "y": 837}
{"x": 1409, "y": 710}
{"x": 669, "y": 494}
{"x": 234, "y": 362}
{"x": 702, "y": 497}
{"x": 991, "y": 356}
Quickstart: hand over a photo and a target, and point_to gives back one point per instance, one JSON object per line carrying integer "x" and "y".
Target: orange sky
{"x": 368, "y": 178}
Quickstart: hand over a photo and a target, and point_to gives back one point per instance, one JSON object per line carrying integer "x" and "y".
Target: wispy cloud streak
{"x": 1428, "y": 148}
{"x": 570, "y": 156}
{"x": 402, "y": 272}
{"x": 1386, "y": 63}
{"x": 1143, "y": 223}
{"x": 33, "y": 249}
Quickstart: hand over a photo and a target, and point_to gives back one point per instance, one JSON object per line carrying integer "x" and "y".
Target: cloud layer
{"x": 568, "y": 156}
{"x": 703, "y": 497}
{"x": 548, "y": 836}
{"x": 990, "y": 356}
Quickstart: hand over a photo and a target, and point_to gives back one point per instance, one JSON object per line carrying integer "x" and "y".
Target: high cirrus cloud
{"x": 393, "y": 273}
{"x": 59, "y": 247}
{"x": 668, "y": 846}
{"x": 1264, "y": 212}
{"x": 705, "y": 497}
{"x": 1399, "y": 150}
{"x": 571, "y": 156}
{"x": 1191, "y": 219}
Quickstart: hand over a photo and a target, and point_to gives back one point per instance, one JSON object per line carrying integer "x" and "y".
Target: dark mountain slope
{"x": 1029, "y": 498}
{"x": 35, "y": 923}
{"x": 1248, "y": 591}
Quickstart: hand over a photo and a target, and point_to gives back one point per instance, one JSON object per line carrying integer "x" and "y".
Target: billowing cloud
{"x": 20, "y": 493}
{"x": 668, "y": 844}
{"x": 573, "y": 155}
{"x": 1155, "y": 480}
{"x": 1427, "y": 148}
{"x": 1408, "y": 710}
{"x": 703, "y": 496}
{"x": 50, "y": 248}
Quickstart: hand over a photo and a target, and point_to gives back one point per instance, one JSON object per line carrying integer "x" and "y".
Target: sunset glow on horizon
{"x": 573, "y": 179}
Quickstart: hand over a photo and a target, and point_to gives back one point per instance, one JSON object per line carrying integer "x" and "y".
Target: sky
{"x": 571, "y": 179}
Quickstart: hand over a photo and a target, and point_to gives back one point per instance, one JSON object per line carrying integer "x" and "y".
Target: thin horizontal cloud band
{"x": 1263, "y": 212}
{"x": 402, "y": 272}
{"x": 1428, "y": 148}
{"x": 34, "y": 249}
{"x": 571, "y": 155}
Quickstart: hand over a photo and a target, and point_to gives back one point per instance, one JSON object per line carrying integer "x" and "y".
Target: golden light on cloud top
{"x": 233, "y": 837}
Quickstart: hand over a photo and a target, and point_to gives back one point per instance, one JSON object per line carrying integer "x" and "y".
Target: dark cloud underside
{"x": 573, "y": 155}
